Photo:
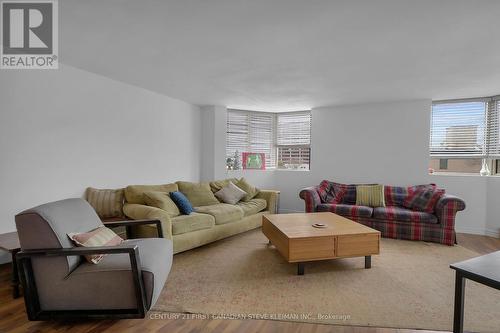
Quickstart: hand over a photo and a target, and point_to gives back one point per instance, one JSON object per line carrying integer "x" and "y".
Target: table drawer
{"x": 358, "y": 245}
{"x": 306, "y": 249}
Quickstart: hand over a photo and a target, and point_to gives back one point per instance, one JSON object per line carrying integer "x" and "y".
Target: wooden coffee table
{"x": 298, "y": 241}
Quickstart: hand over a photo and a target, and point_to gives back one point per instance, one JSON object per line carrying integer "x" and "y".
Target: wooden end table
{"x": 10, "y": 243}
{"x": 299, "y": 242}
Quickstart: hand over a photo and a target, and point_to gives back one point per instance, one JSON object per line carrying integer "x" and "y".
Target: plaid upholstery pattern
{"x": 427, "y": 232}
{"x": 441, "y": 232}
{"x": 346, "y": 210}
{"x": 325, "y": 191}
{"x": 424, "y": 199}
{"x": 403, "y": 214}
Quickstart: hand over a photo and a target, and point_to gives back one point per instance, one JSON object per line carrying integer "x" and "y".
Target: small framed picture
{"x": 256, "y": 161}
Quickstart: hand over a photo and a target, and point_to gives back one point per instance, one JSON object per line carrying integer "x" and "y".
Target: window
{"x": 293, "y": 140}
{"x": 464, "y": 136}
{"x": 283, "y": 138}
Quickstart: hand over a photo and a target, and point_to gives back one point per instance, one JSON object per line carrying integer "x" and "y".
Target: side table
{"x": 10, "y": 243}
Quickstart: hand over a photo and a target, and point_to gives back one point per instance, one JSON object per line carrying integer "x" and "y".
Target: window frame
{"x": 274, "y": 143}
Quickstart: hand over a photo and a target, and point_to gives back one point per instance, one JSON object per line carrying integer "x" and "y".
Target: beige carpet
{"x": 408, "y": 286}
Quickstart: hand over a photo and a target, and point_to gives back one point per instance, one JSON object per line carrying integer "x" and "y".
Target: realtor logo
{"x": 29, "y": 34}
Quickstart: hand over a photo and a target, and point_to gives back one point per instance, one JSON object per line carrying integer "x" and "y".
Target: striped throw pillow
{"x": 370, "y": 195}
{"x": 102, "y": 236}
{"x": 107, "y": 203}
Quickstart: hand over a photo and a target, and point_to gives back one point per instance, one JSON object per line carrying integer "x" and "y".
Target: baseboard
{"x": 493, "y": 233}
{"x": 478, "y": 231}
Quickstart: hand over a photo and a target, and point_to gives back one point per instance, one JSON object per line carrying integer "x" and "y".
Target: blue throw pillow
{"x": 182, "y": 202}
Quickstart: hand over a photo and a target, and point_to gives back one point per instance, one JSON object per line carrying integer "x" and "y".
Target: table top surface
{"x": 9, "y": 241}
{"x": 300, "y": 225}
{"x": 487, "y": 266}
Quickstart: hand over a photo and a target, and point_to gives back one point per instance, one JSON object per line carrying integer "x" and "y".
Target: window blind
{"x": 492, "y": 129}
{"x": 459, "y": 129}
{"x": 293, "y": 139}
{"x": 251, "y": 132}
{"x": 294, "y": 128}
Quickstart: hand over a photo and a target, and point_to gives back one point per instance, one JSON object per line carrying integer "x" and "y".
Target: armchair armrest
{"x": 311, "y": 197}
{"x": 31, "y": 298}
{"x": 273, "y": 199}
{"x": 143, "y": 212}
{"x": 446, "y": 209}
{"x": 131, "y": 223}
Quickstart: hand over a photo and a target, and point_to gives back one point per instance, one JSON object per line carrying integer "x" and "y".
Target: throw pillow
{"x": 411, "y": 191}
{"x": 336, "y": 193}
{"x": 370, "y": 195}
{"x": 100, "y": 236}
{"x": 199, "y": 194}
{"x": 182, "y": 202}
{"x": 107, "y": 202}
{"x": 218, "y": 185}
{"x": 425, "y": 199}
{"x": 251, "y": 190}
{"x": 162, "y": 201}
{"x": 325, "y": 192}
{"x": 230, "y": 194}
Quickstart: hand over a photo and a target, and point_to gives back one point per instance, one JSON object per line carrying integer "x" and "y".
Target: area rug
{"x": 410, "y": 285}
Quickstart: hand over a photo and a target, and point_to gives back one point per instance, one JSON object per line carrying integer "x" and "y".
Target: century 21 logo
{"x": 29, "y": 34}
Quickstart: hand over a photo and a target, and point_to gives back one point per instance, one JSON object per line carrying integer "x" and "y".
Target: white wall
{"x": 63, "y": 130}
{"x": 378, "y": 143}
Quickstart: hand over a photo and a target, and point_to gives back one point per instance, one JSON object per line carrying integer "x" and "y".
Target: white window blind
{"x": 293, "y": 140}
{"x": 251, "y": 132}
{"x": 459, "y": 130}
{"x": 493, "y": 127}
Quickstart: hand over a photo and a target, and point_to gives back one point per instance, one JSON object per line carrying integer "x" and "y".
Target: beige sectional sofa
{"x": 209, "y": 223}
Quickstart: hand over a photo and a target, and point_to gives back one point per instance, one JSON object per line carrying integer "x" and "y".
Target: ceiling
{"x": 281, "y": 55}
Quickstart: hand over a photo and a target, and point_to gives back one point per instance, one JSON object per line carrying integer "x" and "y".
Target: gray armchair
{"x": 59, "y": 284}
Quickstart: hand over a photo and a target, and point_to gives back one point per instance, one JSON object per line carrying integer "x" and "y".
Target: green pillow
{"x": 199, "y": 194}
{"x": 251, "y": 190}
{"x": 161, "y": 200}
{"x": 370, "y": 195}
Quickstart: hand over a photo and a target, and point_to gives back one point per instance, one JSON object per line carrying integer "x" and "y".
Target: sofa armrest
{"x": 446, "y": 209}
{"x": 311, "y": 197}
{"x": 273, "y": 199}
{"x": 143, "y": 212}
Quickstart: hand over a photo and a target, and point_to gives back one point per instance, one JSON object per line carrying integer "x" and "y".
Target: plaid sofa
{"x": 395, "y": 221}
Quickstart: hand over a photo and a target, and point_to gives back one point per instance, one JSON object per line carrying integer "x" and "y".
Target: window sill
{"x": 270, "y": 169}
{"x": 461, "y": 174}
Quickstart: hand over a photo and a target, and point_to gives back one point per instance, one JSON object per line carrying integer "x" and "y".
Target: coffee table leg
{"x": 300, "y": 268}
{"x": 15, "y": 276}
{"x": 368, "y": 262}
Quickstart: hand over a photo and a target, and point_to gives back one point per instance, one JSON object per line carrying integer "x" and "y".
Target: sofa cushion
{"x": 163, "y": 201}
{"x": 106, "y": 202}
{"x": 251, "y": 190}
{"x": 199, "y": 194}
{"x": 218, "y": 185}
{"x": 253, "y": 206}
{"x": 192, "y": 222}
{"x": 394, "y": 213}
{"x": 182, "y": 202}
{"x": 134, "y": 193}
{"x": 346, "y": 210}
{"x": 370, "y": 195}
{"x": 230, "y": 194}
{"x": 223, "y": 213}
{"x": 424, "y": 199}
{"x": 336, "y": 193}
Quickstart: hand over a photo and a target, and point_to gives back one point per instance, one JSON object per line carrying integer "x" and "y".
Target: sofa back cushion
{"x": 218, "y": 185}
{"x": 199, "y": 194}
{"x": 134, "y": 194}
{"x": 163, "y": 201}
{"x": 336, "y": 193}
{"x": 398, "y": 195}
